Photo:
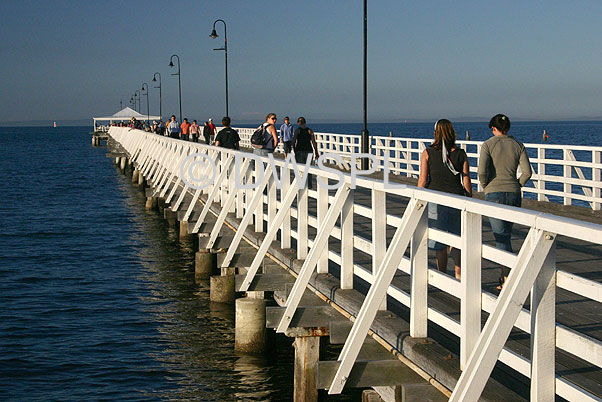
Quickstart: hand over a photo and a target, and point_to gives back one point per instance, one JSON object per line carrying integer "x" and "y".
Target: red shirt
{"x": 212, "y": 128}
{"x": 184, "y": 127}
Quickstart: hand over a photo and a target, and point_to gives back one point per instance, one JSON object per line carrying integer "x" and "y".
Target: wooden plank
{"x": 307, "y": 317}
{"x": 368, "y": 374}
{"x": 266, "y": 282}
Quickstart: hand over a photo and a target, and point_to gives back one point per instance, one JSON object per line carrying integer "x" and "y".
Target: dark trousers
{"x": 301, "y": 157}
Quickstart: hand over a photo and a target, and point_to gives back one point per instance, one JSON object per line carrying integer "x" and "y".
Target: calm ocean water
{"x": 97, "y": 297}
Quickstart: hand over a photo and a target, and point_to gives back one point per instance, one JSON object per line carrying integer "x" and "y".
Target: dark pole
{"x": 225, "y": 49}
{"x": 147, "y": 103}
{"x": 120, "y": 104}
{"x": 365, "y": 134}
{"x": 179, "y": 81}
{"x": 138, "y": 93}
{"x": 160, "y": 96}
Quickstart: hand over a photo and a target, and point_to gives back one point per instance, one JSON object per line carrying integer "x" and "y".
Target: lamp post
{"x": 365, "y": 143}
{"x": 179, "y": 80}
{"x": 120, "y": 104}
{"x": 132, "y": 102}
{"x": 137, "y": 96}
{"x": 160, "y": 97}
{"x": 225, "y": 49}
{"x": 147, "y": 103}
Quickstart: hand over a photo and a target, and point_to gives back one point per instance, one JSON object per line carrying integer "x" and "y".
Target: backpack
{"x": 258, "y": 137}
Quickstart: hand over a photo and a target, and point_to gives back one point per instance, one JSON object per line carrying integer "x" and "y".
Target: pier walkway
{"x": 363, "y": 239}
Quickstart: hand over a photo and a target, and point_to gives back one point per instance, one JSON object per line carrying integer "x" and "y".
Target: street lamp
{"x": 137, "y": 93}
{"x": 132, "y": 102}
{"x": 160, "y": 97}
{"x": 365, "y": 140}
{"x": 179, "y": 80}
{"x": 147, "y": 107}
{"x": 225, "y": 49}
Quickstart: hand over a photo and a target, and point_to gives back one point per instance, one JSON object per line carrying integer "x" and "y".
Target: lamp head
{"x": 154, "y": 79}
{"x": 213, "y": 34}
{"x": 170, "y": 63}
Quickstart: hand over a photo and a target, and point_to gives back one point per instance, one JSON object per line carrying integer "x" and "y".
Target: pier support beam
{"x": 205, "y": 264}
{"x": 249, "y": 331}
{"x": 140, "y": 180}
{"x": 170, "y": 217}
{"x": 307, "y": 354}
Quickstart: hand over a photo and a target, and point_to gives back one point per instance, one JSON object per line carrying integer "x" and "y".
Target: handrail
{"x": 558, "y": 174}
{"x": 533, "y": 267}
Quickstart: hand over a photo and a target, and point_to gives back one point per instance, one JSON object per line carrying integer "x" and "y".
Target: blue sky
{"x": 458, "y": 59}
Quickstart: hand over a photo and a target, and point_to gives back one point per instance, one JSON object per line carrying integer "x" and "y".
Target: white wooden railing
{"x": 561, "y": 173}
{"x": 170, "y": 165}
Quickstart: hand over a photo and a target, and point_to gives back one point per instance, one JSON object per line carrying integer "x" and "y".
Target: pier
{"x": 350, "y": 265}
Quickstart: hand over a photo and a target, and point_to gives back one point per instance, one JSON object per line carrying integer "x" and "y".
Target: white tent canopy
{"x": 125, "y": 114}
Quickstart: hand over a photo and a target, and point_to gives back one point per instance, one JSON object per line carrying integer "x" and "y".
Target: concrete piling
{"x": 135, "y": 175}
{"x": 250, "y": 331}
{"x": 205, "y": 264}
{"x": 221, "y": 289}
{"x": 151, "y": 203}
{"x": 122, "y": 164}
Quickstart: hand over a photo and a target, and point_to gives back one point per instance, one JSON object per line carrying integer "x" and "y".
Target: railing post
{"x": 285, "y": 230}
{"x": 543, "y": 331}
{"x": 419, "y": 279}
{"x": 470, "y": 302}
{"x": 379, "y": 233}
{"x": 568, "y": 188}
{"x": 596, "y": 180}
{"x": 322, "y": 210}
{"x": 302, "y": 229}
{"x": 259, "y": 209}
{"x": 479, "y": 187}
{"x": 347, "y": 242}
{"x": 541, "y": 171}
{"x": 271, "y": 200}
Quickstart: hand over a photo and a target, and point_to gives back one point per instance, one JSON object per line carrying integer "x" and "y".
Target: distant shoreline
{"x": 88, "y": 122}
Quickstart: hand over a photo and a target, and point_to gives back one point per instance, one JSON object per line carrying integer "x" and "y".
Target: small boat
{"x": 55, "y": 124}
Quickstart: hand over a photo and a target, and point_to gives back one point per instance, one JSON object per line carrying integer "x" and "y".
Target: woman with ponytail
{"x": 444, "y": 167}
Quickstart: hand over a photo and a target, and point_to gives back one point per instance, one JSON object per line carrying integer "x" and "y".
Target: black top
{"x": 440, "y": 178}
{"x": 303, "y": 142}
{"x": 228, "y": 138}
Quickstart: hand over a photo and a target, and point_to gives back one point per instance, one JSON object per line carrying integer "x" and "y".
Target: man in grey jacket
{"x": 500, "y": 158}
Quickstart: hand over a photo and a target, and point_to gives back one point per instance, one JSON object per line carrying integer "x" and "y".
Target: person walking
{"x": 173, "y": 128}
{"x": 207, "y": 133}
{"x": 185, "y": 130}
{"x": 270, "y": 136}
{"x": 194, "y": 131}
{"x": 227, "y": 137}
{"x": 213, "y": 130}
{"x": 500, "y": 157}
{"x": 304, "y": 144}
{"x": 444, "y": 167}
{"x": 286, "y": 136}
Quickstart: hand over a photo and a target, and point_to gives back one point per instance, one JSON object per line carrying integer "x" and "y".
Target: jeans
{"x": 443, "y": 218}
{"x": 502, "y": 230}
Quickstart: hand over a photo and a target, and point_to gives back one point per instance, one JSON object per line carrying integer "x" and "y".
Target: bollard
{"x": 221, "y": 289}
{"x": 205, "y": 264}
{"x": 151, "y": 203}
{"x": 249, "y": 327}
